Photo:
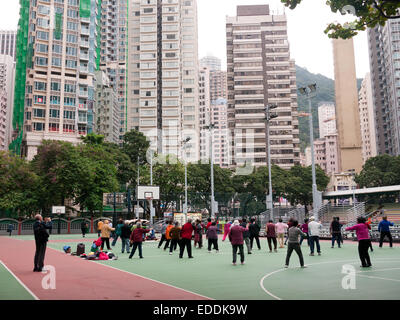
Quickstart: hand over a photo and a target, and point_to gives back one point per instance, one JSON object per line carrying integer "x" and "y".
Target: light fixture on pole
{"x": 269, "y": 116}
{"x": 211, "y": 127}
{"x": 185, "y": 208}
{"x": 310, "y": 92}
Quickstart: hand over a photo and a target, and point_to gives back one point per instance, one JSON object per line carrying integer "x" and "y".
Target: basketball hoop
{"x": 148, "y": 196}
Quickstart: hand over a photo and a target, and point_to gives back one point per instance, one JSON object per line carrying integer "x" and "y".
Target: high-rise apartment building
{"x": 204, "y": 113}
{"x": 210, "y": 62}
{"x": 114, "y": 36}
{"x": 327, "y": 153}
{"x": 56, "y": 59}
{"x": 260, "y": 72}
{"x": 107, "y": 109}
{"x": 367, "y": 119}
{"x": 7, "y": 74}
{"x": 8, "y": 42}
{"x": 219, "y": 117}
{"x": 163, "y": 93}
{"x": 347, "y": 113}
{"x": 326, "y": 119}
{"x": 384, "y": 54}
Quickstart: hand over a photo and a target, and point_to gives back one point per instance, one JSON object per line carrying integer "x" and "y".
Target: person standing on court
{"x": 83, "y": 228}
{"x": 384, "y": 229}
{"x": 236, "y": 238}
{"x": 106, "y": 234}
{"x": 167, "y": 236}
{"x": 186, "y": 235}
{"x": 246, "y": 235}
{"x": 163, "y": 238}
{"x": 314, "y": 228}
{"x": 304, "y": 228}
{"x": 99, "y": 226}
{"x": 137, "y": 239}
{"x": 10, "y": 228}
{"x": 125, "y": 237}
{"x": 293, "y": 243}
{"x": 336, "y": 231}
{"x": 41, "y": 238}
{"x": 289, "y": 224}
{"x": 280, "y": 231}
{"x": 254, "y": 230}
{"x": 212, "y": 236}
{"x": 175, "y": 235}
{"x": 117, "y": 231}
{"x": 363, "y": 238}
{"x": 198, "y": 234}
{"x": 227, "y": 226}
{"x": 271, "y": 235}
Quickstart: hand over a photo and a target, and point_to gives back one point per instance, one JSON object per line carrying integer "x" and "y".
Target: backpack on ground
{"x": 80, "y": 249}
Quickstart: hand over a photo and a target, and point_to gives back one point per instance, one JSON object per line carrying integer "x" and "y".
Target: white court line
{"x": 314, "y": 264}
{"x": 20, "y": 282}
{"x": 138, "y": 275}
{"x": 372, "y": 277}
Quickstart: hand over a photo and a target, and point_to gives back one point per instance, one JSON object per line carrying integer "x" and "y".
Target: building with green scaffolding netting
{"x": 57, "y": 56}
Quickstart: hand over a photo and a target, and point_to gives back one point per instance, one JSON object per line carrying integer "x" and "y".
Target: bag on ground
{"x": 80, "y": 249}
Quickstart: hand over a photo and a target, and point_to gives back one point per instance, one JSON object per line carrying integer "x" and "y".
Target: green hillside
{"x": 325, "y": 93}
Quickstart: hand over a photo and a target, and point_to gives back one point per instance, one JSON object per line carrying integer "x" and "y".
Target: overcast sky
{"x": 309, "y": 46}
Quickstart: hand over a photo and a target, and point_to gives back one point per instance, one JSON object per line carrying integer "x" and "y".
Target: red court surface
{"x": 78, "y": 279}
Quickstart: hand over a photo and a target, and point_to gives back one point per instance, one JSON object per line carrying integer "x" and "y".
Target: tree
{"x": 369, "y": 13}
{"x": 299, "y": 184}
{"x": 135, "y": 144}
{"x": 97, "y": 171}
{"x": 18, "y": 185}
{"x": 383, "y": 170}
{"x": 56, "y": 165}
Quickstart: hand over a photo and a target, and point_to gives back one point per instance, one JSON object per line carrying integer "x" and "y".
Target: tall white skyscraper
{"x": 163, "y": 92}
{"x": 8, "y": 42}
{"x": 326, "y": 119}
{"x": 7, "y": 75}
{"x": 367, "y": 119}
{"x": 260, "y": 72}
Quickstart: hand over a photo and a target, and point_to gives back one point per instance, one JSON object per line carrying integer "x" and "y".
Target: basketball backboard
{"x": 148, "y": 193}
{"x": 58, "y": 210}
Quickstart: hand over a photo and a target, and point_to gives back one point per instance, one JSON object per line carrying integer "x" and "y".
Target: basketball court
{"x": 161, "y": 276}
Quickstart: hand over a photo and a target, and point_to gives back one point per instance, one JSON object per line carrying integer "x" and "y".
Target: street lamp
{"x": 310, "y": 92}
{"x": 211, "y": 127}
{"x": 185, "y": 209}
{"x": 268, "y": 118}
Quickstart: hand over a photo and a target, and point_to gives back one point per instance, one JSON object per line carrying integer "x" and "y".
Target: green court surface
{"x": 263, "y": 276}
{"x": 10, "y": 287}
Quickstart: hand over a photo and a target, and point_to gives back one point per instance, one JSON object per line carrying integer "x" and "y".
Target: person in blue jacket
{"x": 384, "y": 229}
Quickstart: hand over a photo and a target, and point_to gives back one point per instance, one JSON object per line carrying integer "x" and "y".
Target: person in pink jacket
{"x": 364, "y": 241}
{"x": 227, "y": 226}
{"x": 280, "y": 232}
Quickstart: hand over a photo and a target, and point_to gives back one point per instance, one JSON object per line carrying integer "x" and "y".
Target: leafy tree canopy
{"x": 368, "y": 13}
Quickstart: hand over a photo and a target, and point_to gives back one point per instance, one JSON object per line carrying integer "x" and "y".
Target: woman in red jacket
{"x": 137, "y": 239}
{"x": 186, "y": 235}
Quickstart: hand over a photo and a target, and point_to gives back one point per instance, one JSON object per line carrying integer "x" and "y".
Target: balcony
{"x": 84, "y": 56}
{"x": 84, "y": 44}
{"x": 83, "y": 69}
{"x": 83, "y": 94}
{"x": 85, "y": 31}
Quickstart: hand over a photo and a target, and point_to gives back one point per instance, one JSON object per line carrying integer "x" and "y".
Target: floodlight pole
{"x": 185, "y": 209}
{"x": 137, "y": 188}
{"x": 212, "y": 171}
{"x": 308, "y": 92}
{"x": 269, "y": 202}
{"x": 151, "y": 183}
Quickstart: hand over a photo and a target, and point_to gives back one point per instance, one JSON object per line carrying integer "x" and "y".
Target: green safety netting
{"x": 98, "y": 40}
{"x": 84, "y": 8}
{"x": 23, "y": 55}
{"x": 58, "y": 28}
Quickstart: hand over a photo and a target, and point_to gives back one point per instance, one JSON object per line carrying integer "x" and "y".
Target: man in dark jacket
{"x": 41, "y": 238}
{"x": 254, "y": 230}
{"x": 136, "y": 239}
{"x": 246, "y": 235}
{"x": 186, "y": 234}
{"x": 84, "y": 227}
{"x": 125, "y": 236}
{"x": 336, "y": 231}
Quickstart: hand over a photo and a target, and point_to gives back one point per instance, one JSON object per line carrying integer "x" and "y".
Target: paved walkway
{"x": 79, "y": 279}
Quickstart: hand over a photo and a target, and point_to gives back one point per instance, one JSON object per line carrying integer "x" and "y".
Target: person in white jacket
{"x": 314, "y": 229}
